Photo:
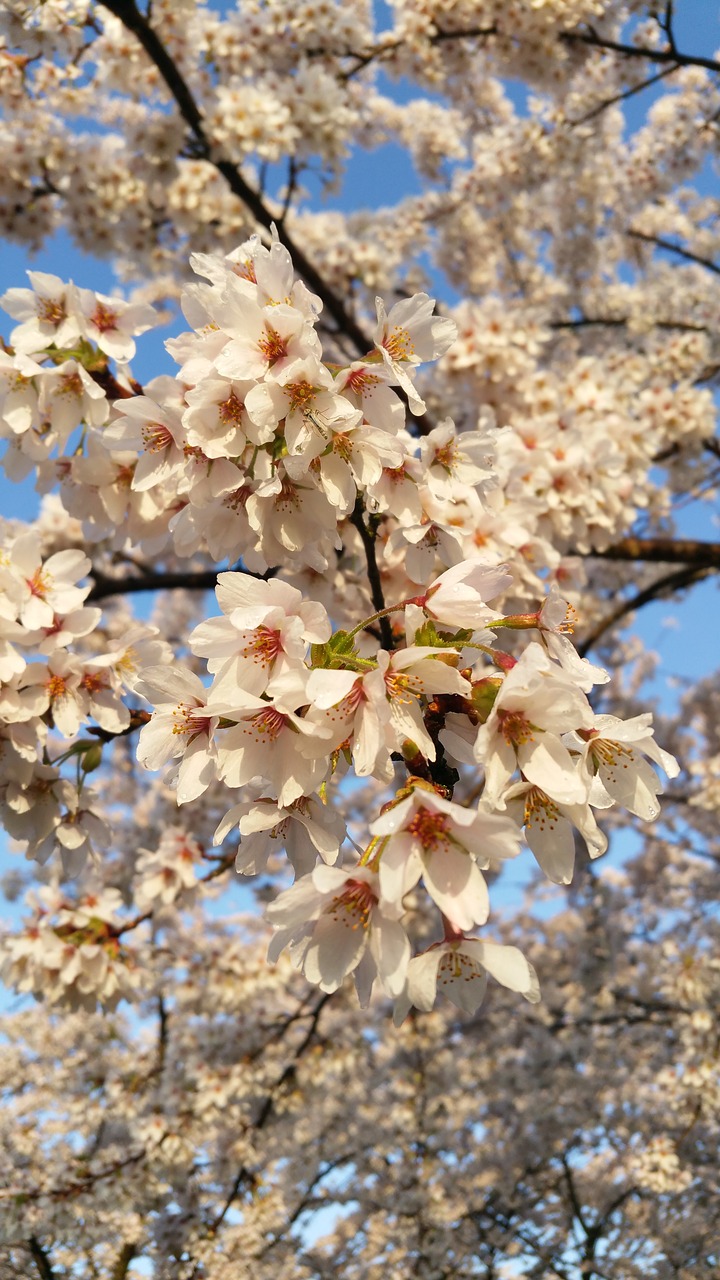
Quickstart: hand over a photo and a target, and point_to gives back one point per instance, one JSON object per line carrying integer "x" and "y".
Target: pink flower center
{"x": 606, "y": 752}
{"x": 237, "y": 501}
{"x": 93, "y": 681}
{"x": 399, "y": 344}
{"x": 447, "y": 455}
{"x": 401, "y": 687}
{"x": 185, "y": 720}
{"x": 360, "y": 380}
{"x": 429, "y": 827}
{"x": 353, "y": 907}
{"x": 264, "y": 646}
{"x": 515, "y": 728}
{"x": 230, "y": 411}
{"x": 70, "y": 384}
{"x": 540, "y": 810}
{"x": 267, "y": 725}
{"x": 56, "y": 687}
{"x": 39, "y": 584}
{"x": 273, "y": 346}
{"x": 51, "y": 310}
{"x": 301, "y": 395}
{"x": 104, "y": 318}
{"x": 456, "y": 966}
{"x": 157, "y": 437}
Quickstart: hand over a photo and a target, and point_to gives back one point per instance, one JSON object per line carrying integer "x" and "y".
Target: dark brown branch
{"x": 41, "y": 1259}
{"x": 244, "y": 1175}
{"x": 625, "y": 94}
{"x": 376, "y": 591}
{"x": 380, "y": 51}
{"x": 685, "y": 551}
{"x": 657, "y": 590}
{"x": 675, "y": 248}
{"x": 669, "y": 54}
{"x": 202, "y": 580}
{"x": 572, "y": 1192}
{"x": 128, "y": 13}
{"x": 124, "y": 1258}
{"x": 619, "y": 322}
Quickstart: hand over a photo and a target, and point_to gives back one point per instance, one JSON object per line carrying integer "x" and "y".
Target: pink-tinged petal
{"x": 227, "y": 823}
{"x": 334, "y": 950}
{"x": 364, "y": 976}
{"x": 400, "y": 868}
{"x": 153, "y": 469}
{"x": 461, "y": 978}
{"x": 550, "y": 836}
{"x": 394, "y": 818}
{"x": 332, "y": 879}
{"x": 326, "y": 839}
{"x": 36, "y": 613}
{"x": 634, "y": 784}
{"x": 67, "y": 716}
{"x": 369, "y": 740}
{"x": 196, "y": 772}
{"x": 457, "y": 887}
{"x": 422, "y": 979}
{"x": 326, "y": 688}
{"x": 407, "y": 722}
{"x": 178, "y": 685}
{"x": 157, "y": 743}
{"x": 297, "y": 905}
{"x": 547, "y": 763}
{"x": 508, "y": 966}
{"x": 391, "y": 952}
{"x": 69, "y": 565}
{"x": 438, "y": 677}
{"x": 498, "y": 759}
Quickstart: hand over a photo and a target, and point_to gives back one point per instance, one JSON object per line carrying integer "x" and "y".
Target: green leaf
{"x": 340, "y": 647}
{"x": 428, "y": 634}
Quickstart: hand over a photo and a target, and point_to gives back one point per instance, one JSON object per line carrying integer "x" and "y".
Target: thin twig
{"x": 624, "y": 95}
{"x": 665, "y": 586}
{"x": 675, "y": 248}
{"x": 671, "y": 54}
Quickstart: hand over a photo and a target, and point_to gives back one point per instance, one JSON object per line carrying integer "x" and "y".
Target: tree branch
{"x": 675, "y": 248}
{"x": 376, "y": 591}
{"x": 685, "y": 551}
{"x": 41, "y": 1258}
{"x": 625, "y": 94}
{"x": 657, "y": 590}
{"x": 130, "y": 16}
{"x": 202, "y": 580}
{"x": 670, "y": 54}
{"x": 247, "y": 1175}
{"x": 619, "y": 322}
{"x": 124, "y": 1258}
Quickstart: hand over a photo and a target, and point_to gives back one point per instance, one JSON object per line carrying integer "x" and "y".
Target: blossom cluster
{"x": 51, "y": 687}
{"x": 266, "y": 452}
{"x": 290, "y": 703}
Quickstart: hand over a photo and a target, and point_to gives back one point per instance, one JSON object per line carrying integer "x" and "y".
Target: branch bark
{"x": 687, "y": 551}
{"x": 669, "y": 54}
{"x": 675, "y": 248}
{"x": 41, "y": 1258}
{"x": 124, "y": 1258}
{"x": 131, "y": 17}
{"x": 657, "y": 590}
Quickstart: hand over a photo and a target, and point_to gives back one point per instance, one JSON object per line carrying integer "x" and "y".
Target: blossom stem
{"x": 381, "y": 613}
